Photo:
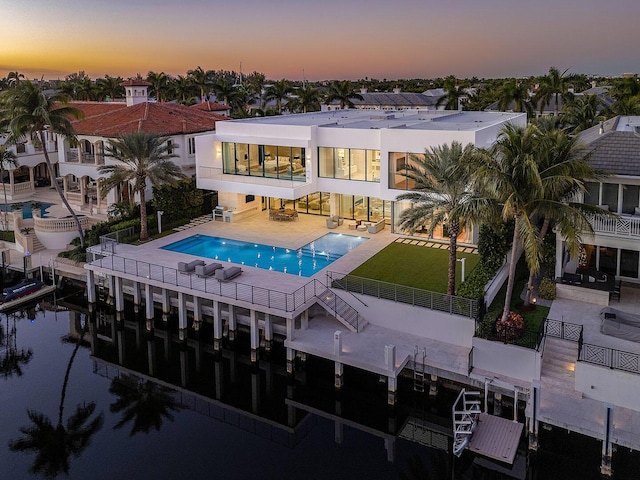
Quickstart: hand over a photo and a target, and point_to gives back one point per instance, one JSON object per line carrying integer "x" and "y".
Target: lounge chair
{"x": 184, "y": 267}
{"x": 226, "y": 274}
{"x": 207, "y": 270}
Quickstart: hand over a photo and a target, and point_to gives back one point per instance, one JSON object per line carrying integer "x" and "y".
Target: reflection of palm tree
{"x": 54, "y": 445}
{"x": 144, "y": 402}
{"x": 12, "y": 361}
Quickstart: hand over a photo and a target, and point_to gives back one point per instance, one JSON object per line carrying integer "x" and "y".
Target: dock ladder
{"x": 466, "y": 411}
{"x": 418, "y": 369}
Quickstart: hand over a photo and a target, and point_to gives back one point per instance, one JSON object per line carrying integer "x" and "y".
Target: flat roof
{"x": 396, "y": 119}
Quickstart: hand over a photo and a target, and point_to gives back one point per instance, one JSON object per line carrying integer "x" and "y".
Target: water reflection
{"x": 142, "y": 402}
{"x": 12, "y": 359}
{"x": 52, "y": 444}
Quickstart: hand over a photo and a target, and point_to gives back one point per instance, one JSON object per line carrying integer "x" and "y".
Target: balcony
{"x": 622, "y": 226}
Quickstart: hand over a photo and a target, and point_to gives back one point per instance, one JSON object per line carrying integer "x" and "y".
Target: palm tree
{"x": 554, "y": 85}
{"x": 306, "y": 99}
{"x": 626, "y": 106}
{"x": 200, "y": 79}
{"x": 583, "y": 112}
{"x": 452, "y": 96}
{"x": 442, "y": 189}
{"x": 563, "y": 168}
{"x": 140, "y": 156}
{"x": 143, "y": 401}
{"x": 224, "y": 90}
{"x": 181, "y": 89}
{"x": 109, "y": 87}
{"x": 54, "y": 444}
{"x": 14, "y": 79}
{"x": 159, "y": 83}
{"x": 516, "y": 93}
{"x": 507, "y": 178}
{"x": 342, "y": 91}
{"x": 31, "y": 112}
{"x": 278, "y": 91}
{"x": 8, "y": 159}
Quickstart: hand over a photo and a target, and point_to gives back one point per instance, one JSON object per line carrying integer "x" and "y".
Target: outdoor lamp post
{"x": 160, "y": 213}
{"x": 461, "y": 260}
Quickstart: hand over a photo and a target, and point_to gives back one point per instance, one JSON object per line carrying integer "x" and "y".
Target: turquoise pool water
{"x": 26, "y": 208}
{"x": 303, "y": 262}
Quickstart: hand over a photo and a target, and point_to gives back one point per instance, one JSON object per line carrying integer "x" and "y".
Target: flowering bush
{"x": 511, "y": 328}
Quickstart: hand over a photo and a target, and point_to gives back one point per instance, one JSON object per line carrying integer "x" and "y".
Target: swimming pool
{"x": 303, "y": 262}
{"x": 26, "y": 208}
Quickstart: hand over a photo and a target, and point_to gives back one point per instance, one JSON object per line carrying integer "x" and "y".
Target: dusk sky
{"x": 327, "y": 39}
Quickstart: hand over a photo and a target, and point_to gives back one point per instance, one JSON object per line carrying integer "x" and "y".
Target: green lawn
{"x": 414, "y": 266}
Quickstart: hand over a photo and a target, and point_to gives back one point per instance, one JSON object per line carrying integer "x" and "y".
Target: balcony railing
{"x": 622, "y": 226}
{"x": 609, "y": 357}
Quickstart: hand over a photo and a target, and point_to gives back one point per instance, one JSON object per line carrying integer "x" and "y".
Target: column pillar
{"x": 217, "y": 326}
{"x": 304, "y": 320}
{"x": 534, "y": 398}
{"x": 197, "y": 312}
{"x": 148, "y": 303}
{"x": 119, "y": 295}
{"x": 559, "y": 255}
{"x": 337, "y": 351}
{"x": 182, "y": 315}
{"x": 166, "y": 303}
{"x": 91, "y": 287}
{"x": 290, "y": 328}
{"x": 607, "y": 446}
{"x": 137, "y": 297}
{"x": 497, "y": 404}
{"x": 268, "y": 331}
{"x": 291, "y": 356}
{"x": 255, "y": 335}
{"x": 111, "y": 280}
{"x": 390, "y": 363}
{"x": 232, "y": 323}
{"x": 515, "y": 406}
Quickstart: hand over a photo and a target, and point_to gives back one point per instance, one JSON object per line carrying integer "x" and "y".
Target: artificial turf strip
{"x": 414, "y": 266}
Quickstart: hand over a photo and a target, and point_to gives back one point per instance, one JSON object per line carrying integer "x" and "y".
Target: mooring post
{"x": 607, "y": 446}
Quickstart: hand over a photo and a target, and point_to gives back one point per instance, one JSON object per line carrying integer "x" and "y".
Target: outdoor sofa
{"x": 207, "y": 270}
{"x": 184, "y": 267}
{"x": 225, "y": 274}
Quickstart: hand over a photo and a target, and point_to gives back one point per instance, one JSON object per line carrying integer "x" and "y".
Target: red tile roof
{"x": 136, "y": 83}
{"x": 210, "y": 107}
{"x": 97, "y": 108}
{"x": 160, "y": 118}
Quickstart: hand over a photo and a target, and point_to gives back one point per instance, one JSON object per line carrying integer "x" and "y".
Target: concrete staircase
{"x": 558, "y": 367}
{"x": 341, "y": 310}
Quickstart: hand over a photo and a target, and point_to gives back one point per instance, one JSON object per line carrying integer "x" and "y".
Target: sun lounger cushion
{"x": 184, "y": 267}
{"x": 224, "y": 274}
{"x": 206, "y": 270}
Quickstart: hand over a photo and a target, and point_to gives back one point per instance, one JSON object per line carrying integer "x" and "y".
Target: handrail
{"x": 403, "y": 294}
{"x": 110, "y": 240}
{"x": 265, "y": 297}
{"x": 609, "y": 357}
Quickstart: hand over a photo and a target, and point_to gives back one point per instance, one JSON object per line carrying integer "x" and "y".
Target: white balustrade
{"x": 57, "y": 225}
{"x": 623, "y": 226}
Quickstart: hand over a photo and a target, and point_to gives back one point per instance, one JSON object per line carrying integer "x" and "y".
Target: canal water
{"x": 83, "y": 395}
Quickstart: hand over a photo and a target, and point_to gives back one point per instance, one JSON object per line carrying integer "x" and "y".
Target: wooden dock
{"x": 496, "y": 438}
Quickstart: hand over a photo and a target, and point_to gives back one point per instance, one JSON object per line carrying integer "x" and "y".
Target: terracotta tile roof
{"x": 135, "y": 83}
{"x": 210, "y": 107}
{"x": 161, "y": 118}
{"x": 97, "y": 108}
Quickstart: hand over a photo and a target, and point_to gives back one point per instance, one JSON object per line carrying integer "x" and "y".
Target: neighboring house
{"x": 212, "y": 107}
{"x": 347, "y": 163}
{"x": 78, "y": 163}
{"x": 396, "y": 100}
{"x": 615, "y": 246}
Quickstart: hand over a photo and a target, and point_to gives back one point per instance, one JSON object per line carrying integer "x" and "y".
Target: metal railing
{"x": 526, "y": 338}
{"x": 563, "y": 330}
{"x": 265, "y": 297}
{"x": 338, "y": 305}
{"x": 403, "y": 294}
{"x": 110, "y": 240}
{"x": 609, "y": 357}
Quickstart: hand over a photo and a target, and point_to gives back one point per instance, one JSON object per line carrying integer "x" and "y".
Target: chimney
{"x": 601, "y": 129}
{"x": 396, "y": 89}
{"x": 593, "y": 84}
{"x": 363, "y": 89}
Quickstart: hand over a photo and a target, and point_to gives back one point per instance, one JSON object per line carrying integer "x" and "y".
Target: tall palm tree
{"x": 442, "y": 190}
{"x": 200, "y": 79}
{"x": 342, "y": 91}
{"x": 507, "y": 178}
{"x": 554, "y": 85}
{"x": 516, "y": 93}
{"x": 305, "y": 99}
{"x": 55, "y": 444}
{"x": 181, "y": 89}
{"x": 14, "y": 79}
{"x": 144, "y": 402}
{"x": 563, "y": 168}
{"x": 8, "y": 159}
{"x": 629, "y": 105}
{"x": 31, "y": 112}
{"x": 159, "y": 82}
{"x": 224, "y": 90}
{"x": 140, "y": 156}
{"x": 278, "y": 91}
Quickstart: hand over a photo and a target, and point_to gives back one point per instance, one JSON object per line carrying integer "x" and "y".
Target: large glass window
{"x": 348, "y": 164}
{"x": 630, "y": 197}
{"x": 592, "y": 194}
{"x": 610, "y": 196}
{"x": 608, "y": 260}
{"x": 397, "y": 171}
{"x": 272, "y": 161}
{"x": 629, "y": 263}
